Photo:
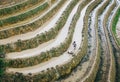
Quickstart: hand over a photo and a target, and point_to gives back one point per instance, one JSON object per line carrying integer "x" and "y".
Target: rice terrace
{"x": 59, "y": 40}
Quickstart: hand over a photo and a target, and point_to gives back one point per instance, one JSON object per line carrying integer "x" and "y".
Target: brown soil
{"x": 5, "y": 3}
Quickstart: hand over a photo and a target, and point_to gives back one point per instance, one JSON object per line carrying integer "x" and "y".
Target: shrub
{"x": 41, "y": 38}
{"x": 54, "y": 52}
{"x": 23, "y": 16}
{"x": 31, "y": 26}
{"x": 18, "y": 7}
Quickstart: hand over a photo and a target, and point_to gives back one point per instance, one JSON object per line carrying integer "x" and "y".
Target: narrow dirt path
{"x": 45, "y": 27}
{"x": 115, "y": 47}
{"x": 57, "y": 60}
{"x": 31, "y": 20}
{"x": 106, "y": 53}
{"x": 11, "y": 4}
{"x": 22, "y": 11}
{"x": 88, "y": 62}
{"x": 36, "y": 51}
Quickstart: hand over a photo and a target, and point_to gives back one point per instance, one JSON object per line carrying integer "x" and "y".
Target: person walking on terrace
{"x": 74, "y": 45}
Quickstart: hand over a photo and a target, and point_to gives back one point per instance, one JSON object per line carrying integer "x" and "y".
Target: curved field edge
{"x": 88, "y": 11}
{"x": 53, "y": 73}
{"x": 92, "y": 75}
{"x": 31, "y": 26}
{"x": 23, "y": 16}
{"x": 112, "y": 73}
{"x": 114, "y": 23}
{"x": 116, "y": 48}
{"x": 40, "y": 38}
{"x": 48, "y": 55}
{"x": 18, "y": 7}
{"x": 113, "y": 69}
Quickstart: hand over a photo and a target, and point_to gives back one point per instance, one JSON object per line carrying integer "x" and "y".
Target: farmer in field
{"x": 74, "y": 47}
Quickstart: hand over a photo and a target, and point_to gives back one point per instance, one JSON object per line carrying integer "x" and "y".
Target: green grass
{"x": 19, "y": 7}
{"x": 2, "y": 66}
{"x": 54, "y": 52}
{"x": 31, "y": 26}
{"x": 118, "y": 40}
{"x": 115, "y": 21}
{"x": 24, "y": 16}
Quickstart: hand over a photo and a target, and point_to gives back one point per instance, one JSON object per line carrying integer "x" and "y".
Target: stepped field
{"x": 59, "y": 41}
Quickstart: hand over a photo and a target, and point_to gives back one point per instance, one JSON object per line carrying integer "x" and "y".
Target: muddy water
{"x": 108, "y": 25}
{"x": 115, "y": 48}
{"x": 104, "y": 69}
{"x": 85, "y": 66}
{"x": 57, "y": 60}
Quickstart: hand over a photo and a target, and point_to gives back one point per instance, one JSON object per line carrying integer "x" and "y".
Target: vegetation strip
{"x": 55, "y": 72}
{"x": 18, "y": 7}
{"x": 107, "y": 76}
{"x": 48, "y": 54}
{"x": 88, "y": 11}
{"x": 23, "y": 10}
{"x": 97, "y": 44}
{"x": 10, "y": 4}
{"x": 91, "y": 76}
{"x": 44, "y": 28}
{"x": 2, "y": 67}
{"x": 31, "y": 26}
{"x": 112, "y": 71}
{"x": 114, "y": 23}
{"x": 39, "y": 39}
{"x": 23, "y": 16}
{"x": 115, "y": 46}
